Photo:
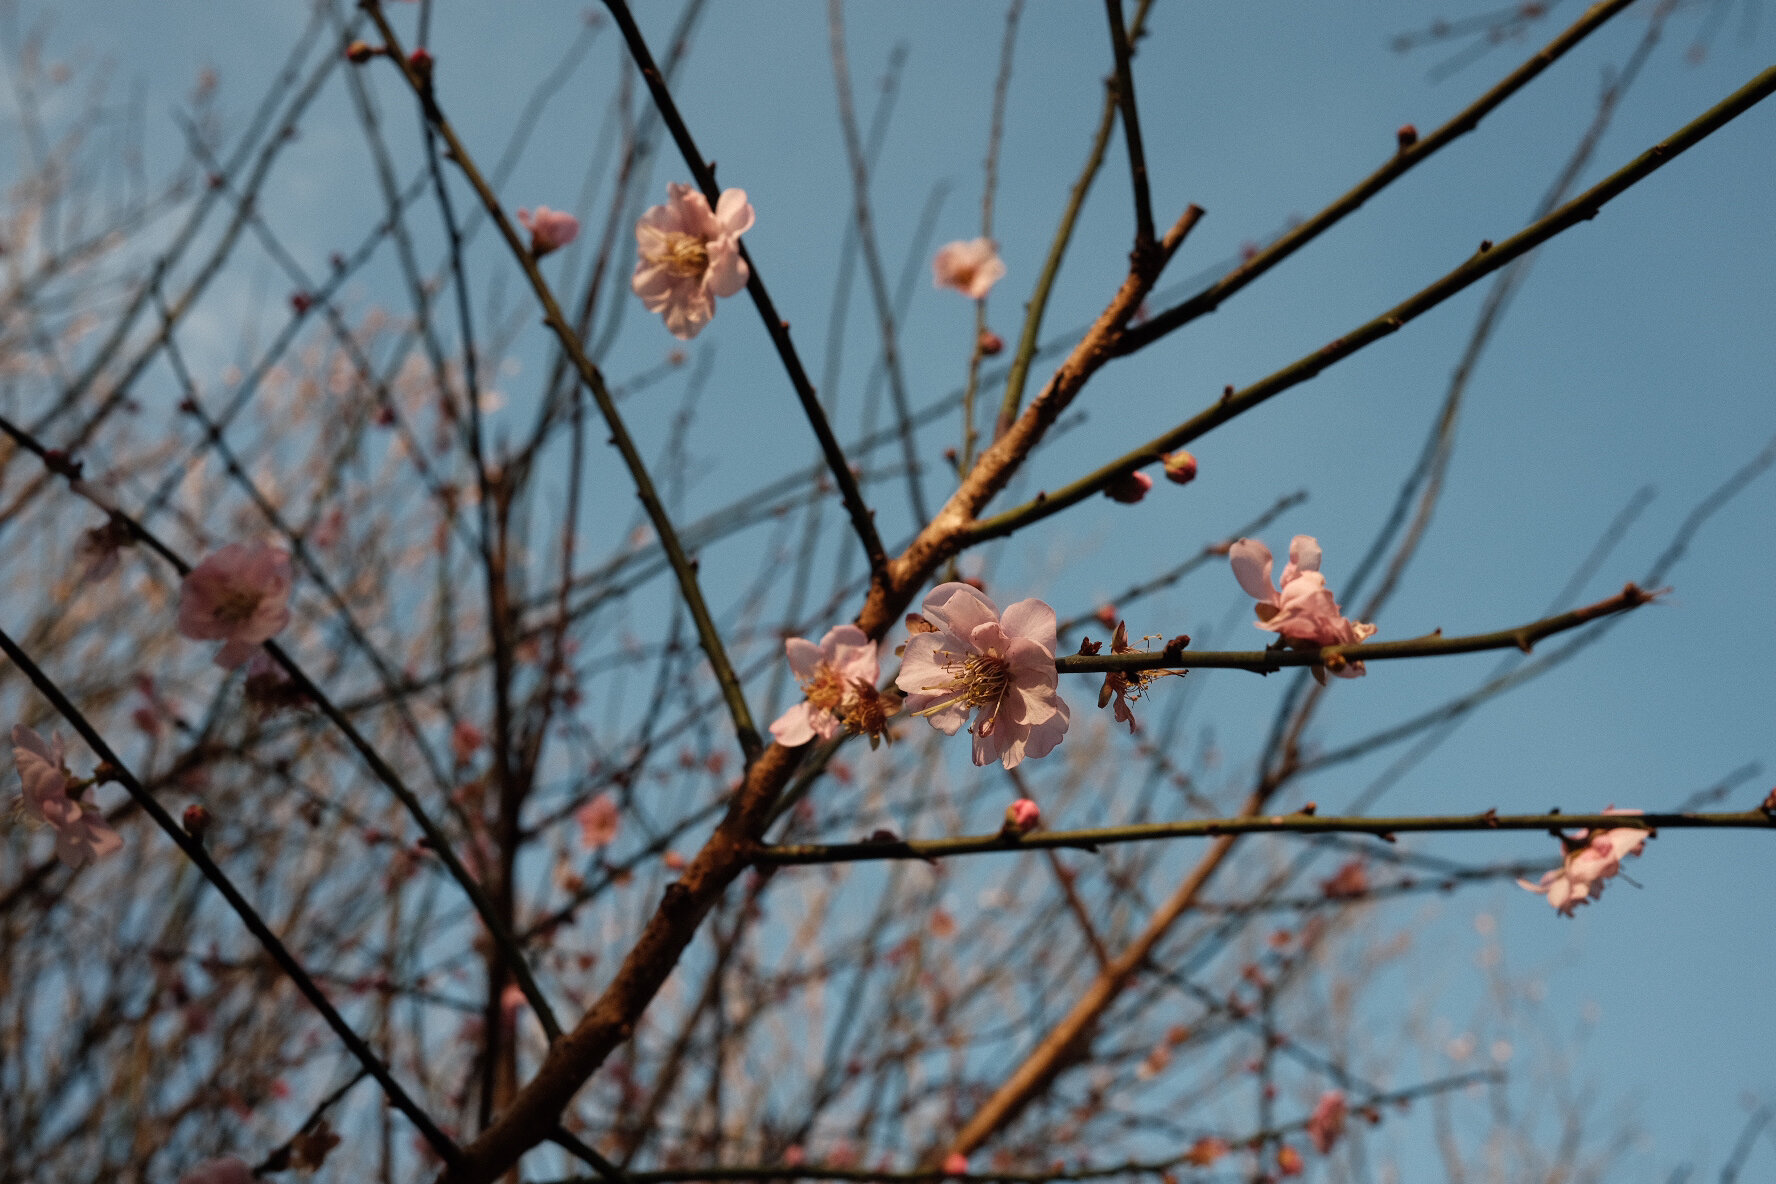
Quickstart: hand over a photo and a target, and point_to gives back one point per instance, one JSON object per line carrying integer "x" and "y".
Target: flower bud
{"x": 196, "y": 821}
{"x": 1180, "y": 467}
{"x": 990, "y": 344}
{"x": 1407, "y": 136}
{"x": 1129, "y": 488}
{"x": 956, "y": 1164}
{"x": 359, "y": 52}
{"x": 1022, "y": 817}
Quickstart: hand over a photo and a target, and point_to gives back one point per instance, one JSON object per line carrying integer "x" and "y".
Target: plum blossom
{"x": 239, "y": 595}
{"x": 549, "y": 229}
{"x": 838, "y": 678}
{"x": 1303, "y": 611}
{"x": 971, "y": 267}
{"x": 1591, "y": 858}
{"x": 689, "y": 255}
{"x": 1289, "y": 1161}
{"x": 1326, "y": 1124}
{"x": 227, "y": 1170}
{"x": 598, "y": 821}
{"x": 1001, "y": 670}
{"x": 82, "y": 835}
{"x": 955, "y": 1164}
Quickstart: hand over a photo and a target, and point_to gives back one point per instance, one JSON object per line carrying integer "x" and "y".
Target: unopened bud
{"x": 422, "y": 61}
{"x": 990, "y": 343}
{"x": 1180, "y": 467}
{"x": 1407, "y": 136}
{"x": 196, "y": 821}
{"x": 956, "y": 1164}
{"x": 1022, "y": 817}
{"x": 359, "y": 52}
{"x": 1129, "y": 488}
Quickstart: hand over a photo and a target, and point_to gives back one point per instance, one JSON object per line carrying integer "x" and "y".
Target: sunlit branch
{"x": 1299, "y": 823}
{"x": 1523, "y": 637}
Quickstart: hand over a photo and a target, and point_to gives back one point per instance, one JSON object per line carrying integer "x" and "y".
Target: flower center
{"x": 826, "y": 690}
{"x": 682, "y": 254}
{"x": 976, "y": 680}
{"x": 236, "y": 606}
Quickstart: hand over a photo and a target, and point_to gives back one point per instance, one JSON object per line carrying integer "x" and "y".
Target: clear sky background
{"x": 1641, "y": 352}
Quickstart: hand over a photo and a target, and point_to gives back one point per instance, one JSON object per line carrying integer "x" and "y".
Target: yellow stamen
{"x": 682, "y": 254}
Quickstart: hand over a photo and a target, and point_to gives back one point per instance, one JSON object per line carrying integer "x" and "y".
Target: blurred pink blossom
{"x": 239, "y": 595}
{"x": 1303, "y": 611}
{"x": 1350, "y": 880}
{"x": 227, "y": 1170}
{"x": 1326, "y": 1123}
{"x": 598, "y": 822}
{"x": 465, "y": 741}
{"x": 1129, "y": 488}
{"x": 955, "y": 1164}
{"x": 1004, "y": 669}
{"x": 549, "y": 229}
{"x": 82, "y": 835}
{"x": 689, "y": 255}
{"x": 1591, "y": 858}
{"x": 971, "y": 267}
{"x": 838, "y": 678}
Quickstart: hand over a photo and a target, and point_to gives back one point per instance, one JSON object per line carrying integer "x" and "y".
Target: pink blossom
{"x": 598, "y": 822}
{"x": 1005, "y": 668}
{"x": 838, "y": 678}
{"x": 689, "y": 255}
{"x": 1129, "y": 488}
{"x": 1303, "y": 611}
{"x": 81, "y": 833}
{"x": 1289, "y": 1161}
{"x": 955, "y": 1164}
{"x": 1022, "y": 817}
{"x": 971, "y": 267}
{"x": 239, "y": 595}
{"x": 1591, "y": 858}
{"x": 227, "y": 1170}
{"x": 549, "y": 229}
{"x": 1326, "y": 1123}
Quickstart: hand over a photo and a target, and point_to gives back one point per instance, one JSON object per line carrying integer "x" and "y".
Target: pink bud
{"x": 1180, "y": 467}
{"x": 1022, "y": 817}
{"x": 1129, "y": 488}
{"x": 1407, "y": 136}
{"x": 549, "y": 229}
{"x": 956, "y": 1164}
{"x": 990, "y": 343}
{"x": 196, "y": 821}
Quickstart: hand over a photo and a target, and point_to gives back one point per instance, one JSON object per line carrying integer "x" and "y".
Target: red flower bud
{"x": 1180, "y": 467}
